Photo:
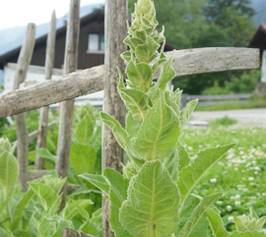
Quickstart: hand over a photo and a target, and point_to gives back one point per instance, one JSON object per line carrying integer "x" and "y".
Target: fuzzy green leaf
{"x": 249, "y": 222}
{"x": 183, "y": 157}
{"x": 8, "y": 174}
{"x": 192, "y": 174}
{"x": 139, "y": 76}
{"x": 197, "y": 214}
{"x": 216, "y": 223}
{"x": 167, "y": 74}
{"x": 118, "y": 131}
{"x": 46, "y": 154}
{"x": 187, "y": 111}
{"x": 82, "y": 158}
{"x": 20, "y": 208}
{"x": 98, "y": 181}
{"x": 136, "y": 101}
{"x": 157, "y": 137}
{"x": 117, "y": 195}
{"x": 151, "y": 207}
{"x": 84, "y": 128}
{"x": 75, "y": 207}
{"x": 147, "y": 51}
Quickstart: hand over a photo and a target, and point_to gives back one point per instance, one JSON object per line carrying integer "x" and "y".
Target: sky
{"x": 20, "y": 12}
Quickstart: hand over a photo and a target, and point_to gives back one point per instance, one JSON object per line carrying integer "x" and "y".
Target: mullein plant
{"x": 153, "y": 197}
{"x": 35, "y": 213}
{"x": 245, "y": 226}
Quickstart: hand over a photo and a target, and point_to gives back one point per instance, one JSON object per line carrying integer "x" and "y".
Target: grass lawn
{"x": 255, "y": 102}
{"x": 241, "y": 175}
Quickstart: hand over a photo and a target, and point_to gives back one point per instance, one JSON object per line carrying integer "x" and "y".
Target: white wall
{"x": 35, "y": 74}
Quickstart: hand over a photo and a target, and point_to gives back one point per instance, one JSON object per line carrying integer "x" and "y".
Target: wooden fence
{"x": 75, "y": 84}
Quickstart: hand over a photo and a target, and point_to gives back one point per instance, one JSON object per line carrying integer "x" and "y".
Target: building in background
{"x": 91, "y": 48}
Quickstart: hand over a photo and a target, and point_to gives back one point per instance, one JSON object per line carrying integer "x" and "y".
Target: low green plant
{"x": 224, "y": 121}
{"x": 36, "y": 213}
{"x": 252, "y": 103}
{"x": 245, "y": 226}
{"x": 154, "y": 195}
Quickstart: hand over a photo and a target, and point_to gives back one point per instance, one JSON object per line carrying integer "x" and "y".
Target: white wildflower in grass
{"x": 213, "y": 180}
{"x": 251, "y": 178}
{"x": 230, "y": 219}
{"x": 229, "y": 208}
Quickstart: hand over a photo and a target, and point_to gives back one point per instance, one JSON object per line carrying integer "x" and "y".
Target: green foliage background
{"x": 208, "y": 23}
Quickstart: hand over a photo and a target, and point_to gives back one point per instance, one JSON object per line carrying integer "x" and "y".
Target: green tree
{"x": 205, "y": 23}
{"x": 184, "y": 20}
{"x": 234, "y": 17}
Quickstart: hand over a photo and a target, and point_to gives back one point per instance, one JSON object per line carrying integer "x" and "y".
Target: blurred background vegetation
{"x": 209, "y": 23}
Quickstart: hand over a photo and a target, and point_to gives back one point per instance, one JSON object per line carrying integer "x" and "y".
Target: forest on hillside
{"x": 211, "y": 23}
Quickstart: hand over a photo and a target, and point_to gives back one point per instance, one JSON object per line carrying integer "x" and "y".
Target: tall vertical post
{"x": 116, "y": 16}
{"x": 44, "y": 112}
{"x": 263, "y": 67}
{"x": 67, "y": 107}
{"x": 261, "y": 85}
{"x": 21, "y": 129}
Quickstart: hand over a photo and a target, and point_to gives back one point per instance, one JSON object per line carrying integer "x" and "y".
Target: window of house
{"x": 96, "y": 43}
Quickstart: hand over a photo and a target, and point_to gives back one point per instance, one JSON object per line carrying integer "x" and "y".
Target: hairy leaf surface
{"x": 192, "y": 174}
{"x": 159, "y": 132}
{"x": 118, "y": 131}
{"x": 151, "y": 207}
{"x": 117, "y": 195}
{"x": 8, "y": 174}
{"x": 216, "y": 223}
{"x": 98, "y": 181}
{"x": 136, "y": 101}
{"x": 197, "y": 214}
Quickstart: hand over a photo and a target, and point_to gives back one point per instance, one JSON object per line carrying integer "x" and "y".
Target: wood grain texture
{"x": 21, "y": 129}
{"x": 206, "y": 60}
{"x": 49, "y": 92}
{"x": 116, "y": 15}
{"x": 44, "y": 112}
{"x": 186, "y": 62}
{"x": 67, "y": 107}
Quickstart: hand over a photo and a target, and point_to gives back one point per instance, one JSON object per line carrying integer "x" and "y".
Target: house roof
{"x": 96, "y": 13}
{"x": 93, "y": 14}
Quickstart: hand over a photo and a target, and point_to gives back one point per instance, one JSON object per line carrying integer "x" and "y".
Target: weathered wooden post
{"x": 261, "y": 85}
{"x": 116, "y": 16}
{"x": 67, "y": 107}
{"x": 44, "y": 112}
{"x": 21, "y": 129}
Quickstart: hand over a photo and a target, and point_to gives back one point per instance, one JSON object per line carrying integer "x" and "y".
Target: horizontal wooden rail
{"x": 186, "y": 62}
{"x": 206, "y": 60}
{"x": 50, "y": 92}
